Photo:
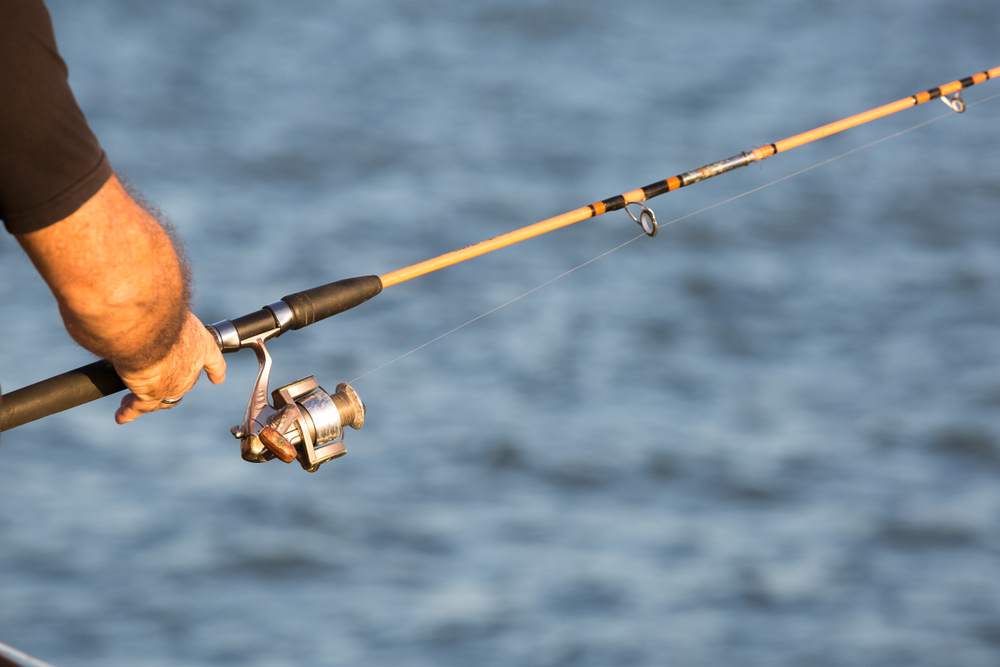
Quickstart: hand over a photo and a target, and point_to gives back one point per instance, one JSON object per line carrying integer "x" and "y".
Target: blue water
{"x": 769, "y": 436}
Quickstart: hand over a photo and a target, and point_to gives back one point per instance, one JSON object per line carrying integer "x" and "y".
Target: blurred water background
{"x": 769, "y": 436}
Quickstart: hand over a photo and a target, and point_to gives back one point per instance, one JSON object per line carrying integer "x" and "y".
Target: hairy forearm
{"x": 120, "y": 285}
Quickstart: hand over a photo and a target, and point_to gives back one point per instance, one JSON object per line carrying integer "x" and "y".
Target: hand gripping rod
{"x": 99, "y": 379}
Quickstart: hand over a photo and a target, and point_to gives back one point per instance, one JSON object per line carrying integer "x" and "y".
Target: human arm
{"x": 122, "y": 293}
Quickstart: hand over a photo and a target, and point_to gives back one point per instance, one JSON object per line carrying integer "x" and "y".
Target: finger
{"x": 124, "y": 415}
{"x": 132, "y": 408}
{"x": 215, "y": 366}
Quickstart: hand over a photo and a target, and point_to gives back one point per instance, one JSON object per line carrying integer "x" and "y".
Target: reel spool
{"x": 305, "y": 423}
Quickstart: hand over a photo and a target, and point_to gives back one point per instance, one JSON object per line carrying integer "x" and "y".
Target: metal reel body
{"x": 304, "y": 423}
{"x": 317, "y": 433}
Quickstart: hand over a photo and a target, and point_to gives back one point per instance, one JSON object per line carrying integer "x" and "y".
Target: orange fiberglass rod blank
{"x": 687, "y": 178}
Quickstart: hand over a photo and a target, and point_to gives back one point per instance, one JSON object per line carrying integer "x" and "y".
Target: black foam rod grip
{"x": 317, "y": 303}
{"x": 59, "y": 393}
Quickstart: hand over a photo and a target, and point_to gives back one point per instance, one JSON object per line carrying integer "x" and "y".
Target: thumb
{"x": 215, "y": 365}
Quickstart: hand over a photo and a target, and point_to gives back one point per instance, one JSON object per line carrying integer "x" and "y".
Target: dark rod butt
{"x": 62, "y": 392}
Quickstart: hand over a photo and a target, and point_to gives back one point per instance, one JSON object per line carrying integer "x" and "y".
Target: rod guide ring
{"x": 646, "y": 219}
{"x": 955, "y": 101}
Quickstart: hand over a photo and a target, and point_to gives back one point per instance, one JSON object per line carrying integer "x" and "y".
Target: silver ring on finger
{"x": 170, "y": 402}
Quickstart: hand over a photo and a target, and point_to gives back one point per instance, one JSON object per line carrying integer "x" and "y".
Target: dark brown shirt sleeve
{"x": 50, "y": 161}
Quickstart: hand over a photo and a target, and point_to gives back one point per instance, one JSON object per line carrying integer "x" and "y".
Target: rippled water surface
{"x": 769, "y": 436}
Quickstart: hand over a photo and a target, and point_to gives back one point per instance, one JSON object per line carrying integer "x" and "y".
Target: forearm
{"x": 121, "y": 288}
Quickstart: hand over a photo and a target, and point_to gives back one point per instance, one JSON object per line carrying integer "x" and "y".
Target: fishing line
{"x": 549, "y": 282}
{"x": 665, "y": 224}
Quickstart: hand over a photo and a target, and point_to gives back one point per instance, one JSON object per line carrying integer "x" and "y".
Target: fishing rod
{"x": 306, "y": 423}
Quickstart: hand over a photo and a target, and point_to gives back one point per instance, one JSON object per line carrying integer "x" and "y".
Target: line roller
{"x": 304, "y": 422}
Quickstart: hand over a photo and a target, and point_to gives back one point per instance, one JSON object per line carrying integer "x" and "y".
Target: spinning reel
{"x": 304, "y": 423}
